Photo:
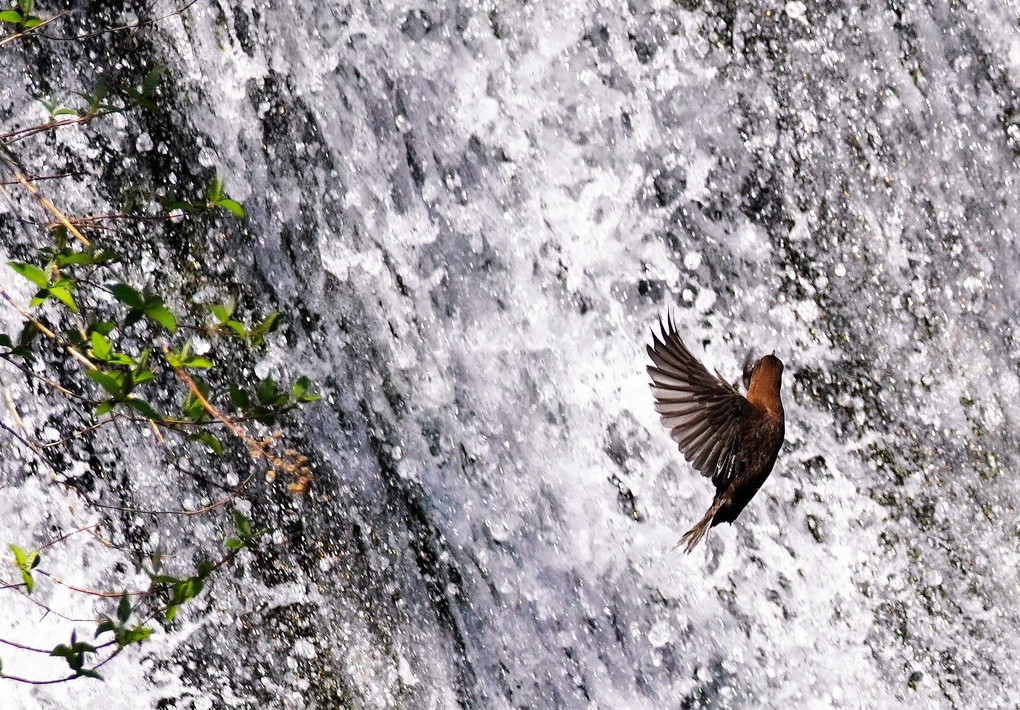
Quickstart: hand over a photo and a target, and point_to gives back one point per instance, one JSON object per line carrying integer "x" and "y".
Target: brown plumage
{"x": 731, "y": 438}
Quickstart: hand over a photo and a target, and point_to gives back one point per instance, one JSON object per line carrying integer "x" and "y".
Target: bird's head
{"x": 765, "y": 381}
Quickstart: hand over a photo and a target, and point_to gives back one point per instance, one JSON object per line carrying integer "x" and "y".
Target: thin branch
{"x": 48, "y": 610}
{"x": 63, "y": 537}
{"x": 123, "y": 28}
{"x": 80, "y": 432}
{"x": 90, "y": 592}
{"x": 186, "y": 512}
{"x": 17, "y": 418}
{"x": 88, "y": 364}
{"x": 50, "y": 207}
{"x": 40, "y": 178}
{"x": 26, "y": 648}
{"x": 32, "y": 30}
{"x": 49, "y": 383}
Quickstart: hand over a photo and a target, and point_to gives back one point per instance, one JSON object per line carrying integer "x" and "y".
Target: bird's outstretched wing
{"x": 702, "y": 411}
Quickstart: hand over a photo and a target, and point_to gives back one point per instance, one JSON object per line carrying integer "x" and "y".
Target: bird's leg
{"x": 693, "y": 536}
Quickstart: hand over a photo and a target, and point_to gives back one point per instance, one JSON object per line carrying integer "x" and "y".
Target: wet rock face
{"x": 470, "y": 216}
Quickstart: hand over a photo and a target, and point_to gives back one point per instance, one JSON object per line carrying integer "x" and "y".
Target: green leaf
{"x": 238, "y": 328}
{"x": 133, "y": 316}
{"x": 99, "y": 92}
{"x": 214, "y": 192}
{"x": 75, "y": 258}
{"x": 143, "y": 408}
{"x": 12, "y": 16}
{"x": 124, "y": 608}
{"x": 301, "y": 390}
{"x": 151, "y": 81}
{"x": 100, "y": 345}
{"x": 128, "y": 296}
{"x": 268, "y": 325}
{"x": 223, "y": 313}
{"x": 142, "y": 376}
{"x": 83, "y": 258}
{"x": 143, "y": 359}
{"x": 196, "y": 361}
{"x": 5, "y": 341}
{"x": 26, "y": 562}
{"x": 32, "y": 22}
{"x": 233, "y": 544}
{"x": 267, "y": 391}
{"x": 191, "y": 407}
{"x": 108, "y": 382}
{"x": 105, "y": 626}
{"x": 105, "y": 407}
{"x": 26, "y": 6}
{"x": 231, "y": 206}
{"x": 63, "y": 295}
{"x": 28, "y": 334}
{"x": 31, "y": 272}
{"x": 157, "y": 312}
{"x": 239, "y": 398}
{"x": 242, "y": 524}
{"x": 88, "y": 673}
{"x": 209, "y": 440}
{"x": 126, "y": 637}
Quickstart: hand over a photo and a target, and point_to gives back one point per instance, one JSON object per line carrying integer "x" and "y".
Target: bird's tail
{"x": 693, "y": 536}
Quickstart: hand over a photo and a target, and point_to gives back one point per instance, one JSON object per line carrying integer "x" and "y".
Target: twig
{"x": 49, "y": 383}
{"x": 50, "y": 207}
{"x": 17, "y": 418}
{"x": 122, "y": 28}
{"x": 47, "y": 332}
{"x": 23, "y": 647}
{"x": 32, "y": 30}
{"x": 67, "y": 535}
{"x": 90, "y": 592}
{"x": 40, "y": 178}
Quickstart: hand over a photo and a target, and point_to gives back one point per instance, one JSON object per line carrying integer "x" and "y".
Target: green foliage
{"x": 50, "y": 283}
{"x": 123, "y": 351}
{"x": 55, "y": 108}
{"x": 245, "y": 537}
{"x": 124, "y": 634}
{"x": 181, "y": 590}
{"x": 143, "y": 306}
{"x": 214, "y": 444}
{"x": 75, "y": 656}
{"x": 215, "y": 198}
{"x": 23, "y": 348}
{"x": 254, "y": 336}
{"x": 21, "y": 16}
{"x": 141, "y": 96}
{"x": 183, "y": 359}
{"x": 26, "y": 562}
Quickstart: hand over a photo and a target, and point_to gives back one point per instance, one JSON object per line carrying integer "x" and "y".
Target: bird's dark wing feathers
{"x": 702, "y": 411}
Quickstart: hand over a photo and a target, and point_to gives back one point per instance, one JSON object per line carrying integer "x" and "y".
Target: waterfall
{"x": 470, "y": 216}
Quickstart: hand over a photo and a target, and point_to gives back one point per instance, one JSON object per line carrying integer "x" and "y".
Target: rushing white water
{"x": 472, "y": 216}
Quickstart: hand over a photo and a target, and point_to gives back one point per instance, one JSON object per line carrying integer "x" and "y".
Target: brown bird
{"x": 730, "y": 438}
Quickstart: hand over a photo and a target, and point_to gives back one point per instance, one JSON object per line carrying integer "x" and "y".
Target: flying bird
{"x": 729, "y": 437}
